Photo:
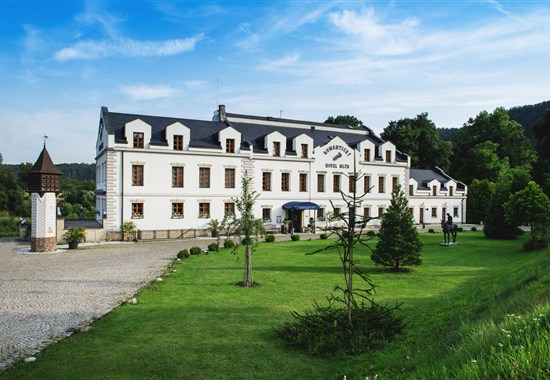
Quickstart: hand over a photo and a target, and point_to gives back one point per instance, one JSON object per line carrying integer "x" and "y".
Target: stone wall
{"x": 44, "y": 244}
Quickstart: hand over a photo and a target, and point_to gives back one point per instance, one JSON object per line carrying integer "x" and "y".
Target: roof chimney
{"x": 221, "y": 112}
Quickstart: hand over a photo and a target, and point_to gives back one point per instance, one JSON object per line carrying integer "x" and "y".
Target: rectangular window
{"x": 366, "y": 181}
{"x": 380, "y": 211}
{"x": 388, "y": 156}
{"x": 366, "y": 213}
{"x": 266, "y": 181}
{"x": 229, "y": 178}
{"x": 178, "y": 142}
{"x": 411, "y": 211}
{"x": 320, "y": 214}
{"x": 455, "y": 212}
{"x": 336, "y": 211}
{"x": 367, "y": 155}
{"x": 304, "y": 150}
{"x": 177, "y": 176}
{"x": 434, "y": 212}
{"x": 336, "y": 183}
{"x": 411, "y": 189}
{"x": 204, "y": 178}
{"x": 204, "y": 210}
{"x": 381, "y": 183}
{"x": 137, "y": 210}
{"x": 303, "y": 182}
{"x": 285, "y": 181}
{"x": 230, "y": 146}
{"x": 266, "y": 214}
{"x": 351, "y": 184}
{"x": 434, "y": 190}
{"x": 394, "y": 182}
{"x": 450, "y": 191}
{"x": 443, "y": 212}
{"x": 277, "y": 149}
{"x": 138, "y": 139}
{"x": 177, "y": 210}
{"x": 137, "y": 175}
{"x": 229, "y": 208}
{"x": 321, "y": 183}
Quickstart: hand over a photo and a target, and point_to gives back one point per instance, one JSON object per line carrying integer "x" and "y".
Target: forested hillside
{"x": 528, "y": 116}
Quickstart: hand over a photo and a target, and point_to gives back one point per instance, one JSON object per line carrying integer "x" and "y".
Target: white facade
{"x": 178, "y": 174}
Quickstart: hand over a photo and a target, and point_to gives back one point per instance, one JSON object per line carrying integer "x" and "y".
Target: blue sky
{"x": 377, "y": 60}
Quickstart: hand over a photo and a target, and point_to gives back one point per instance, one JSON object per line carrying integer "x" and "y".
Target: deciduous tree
{"x": 497, "y": 128}
{"x": 480, "y": 192}
{"x": 246, "y": 227}
{"x": 346, "y": 120}
{"x": 496, "y": 225}
{"x": 420, "y": 139}
{"x": 532, "y": 207}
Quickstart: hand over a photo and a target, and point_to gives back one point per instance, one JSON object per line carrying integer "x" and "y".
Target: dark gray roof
{"x": 424, "y": 176}
{"x": 253, "y": 130}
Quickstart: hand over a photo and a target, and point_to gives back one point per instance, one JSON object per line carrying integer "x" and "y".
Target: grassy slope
{"x": 197, "y": 324}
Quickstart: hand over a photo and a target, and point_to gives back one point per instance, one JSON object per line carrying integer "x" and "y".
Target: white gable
{"x": 230, "y": 133}
{"x": 178, "y": 129}
{"x": 138, "y": 126}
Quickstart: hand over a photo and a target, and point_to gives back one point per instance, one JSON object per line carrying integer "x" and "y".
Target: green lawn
{"x": 198, "y": 325}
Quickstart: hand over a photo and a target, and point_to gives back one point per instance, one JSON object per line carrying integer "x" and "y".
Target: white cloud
{"x": 376, "y": 37}
{"x": 284, "y": 62}
{"x": 148, "y": 92}
{"x": 126, "y": 47}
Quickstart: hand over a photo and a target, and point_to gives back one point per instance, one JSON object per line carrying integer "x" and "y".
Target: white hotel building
{"x": 172, "y": 176}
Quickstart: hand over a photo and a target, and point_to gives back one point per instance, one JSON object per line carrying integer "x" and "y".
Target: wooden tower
{"x": 44, "y": 184}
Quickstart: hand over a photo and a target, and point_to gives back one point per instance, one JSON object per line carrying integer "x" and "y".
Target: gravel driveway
{"x": 44, "y": 296}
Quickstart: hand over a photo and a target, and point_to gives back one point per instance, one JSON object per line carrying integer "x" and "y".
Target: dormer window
{"x": 277, "y": 149}
{"x": 304, "y": 150}
{"x": 434, "y": 190}
{"x": 230, "y": 145}
{"x": 388, "y": 156}
{"x": 367, "y": 154}
{"x": 178, "y": 142}
{"x": 138, "y": 139}
{"x": 450, "y": 191}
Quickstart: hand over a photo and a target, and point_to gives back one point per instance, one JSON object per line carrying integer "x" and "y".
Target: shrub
{"x": 9, "y": 226}
{"x": 195, "y": 250}
{"x": 295, "y": 237}
{"x": 474, "y": 229}
{"x": 270, "y": 238}
{"x": 228, "y": 243}
{"x": 460, "y": 229}
{"x": 326, "y": 330}
{"x": 183, "y": 254}
{"x": 213, "y": 247}
{"x": 532, "y": 245}
{"x": 323, "y": 236}
{"x": 431, "y": 231}
{"x": 371, "y": 233}
{"x": 75, "y": 235}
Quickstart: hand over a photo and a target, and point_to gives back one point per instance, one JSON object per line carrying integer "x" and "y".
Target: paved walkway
{"x": 44, "y": 296}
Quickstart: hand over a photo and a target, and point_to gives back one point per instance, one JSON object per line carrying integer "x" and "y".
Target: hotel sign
{"x": 340, "y": 151}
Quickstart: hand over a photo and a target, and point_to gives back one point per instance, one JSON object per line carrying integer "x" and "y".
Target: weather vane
{"x": 45, "y": 137}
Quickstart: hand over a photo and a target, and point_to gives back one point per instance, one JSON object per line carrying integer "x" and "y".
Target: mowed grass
{"x": 197, "y": 324}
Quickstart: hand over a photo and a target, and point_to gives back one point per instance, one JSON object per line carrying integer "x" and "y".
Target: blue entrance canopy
{"x": 300, "y": 206}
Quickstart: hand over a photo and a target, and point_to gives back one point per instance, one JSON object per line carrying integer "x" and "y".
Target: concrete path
{"x": 45, "y": 296}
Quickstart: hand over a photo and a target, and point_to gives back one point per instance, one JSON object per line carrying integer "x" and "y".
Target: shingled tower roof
{"x": 44, "y": 177}
{"x": 44, "y": 164}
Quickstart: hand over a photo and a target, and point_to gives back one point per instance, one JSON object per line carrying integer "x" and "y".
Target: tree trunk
{"x": 247, "y": 281}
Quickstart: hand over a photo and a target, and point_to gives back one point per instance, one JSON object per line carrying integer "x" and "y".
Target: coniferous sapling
{"x": 398, "y": 243}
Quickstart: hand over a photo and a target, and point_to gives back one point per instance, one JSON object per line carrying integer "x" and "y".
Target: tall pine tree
{"x": 398, "y": 243}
